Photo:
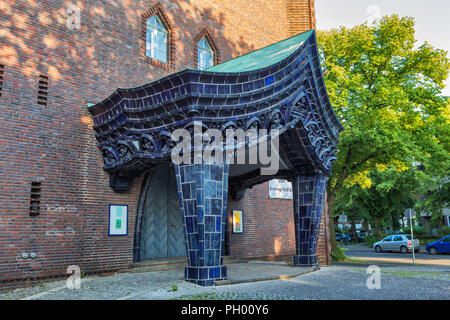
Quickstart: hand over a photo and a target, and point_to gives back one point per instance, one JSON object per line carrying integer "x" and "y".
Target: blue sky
{"x": 432, "y": 17}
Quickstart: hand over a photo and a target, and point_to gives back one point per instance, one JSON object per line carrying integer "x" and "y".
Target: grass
{"x": 340, "y": 256}
{"x": 350, "y": 259}
{"x": 232, "y": 296}
{"x": 201, "y": 296}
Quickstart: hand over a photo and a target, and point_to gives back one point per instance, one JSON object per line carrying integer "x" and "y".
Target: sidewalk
{"x": 152, "y": 285}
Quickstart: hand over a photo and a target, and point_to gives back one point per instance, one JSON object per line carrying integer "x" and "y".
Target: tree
{"x": 435, "y": 168}
{"x": 391, "y": 191}
{"x": 383, "y": 88}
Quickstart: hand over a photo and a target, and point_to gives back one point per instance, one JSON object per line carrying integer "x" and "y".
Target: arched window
{"x": 156, "y": 43}
{"x": 205, "y": 54}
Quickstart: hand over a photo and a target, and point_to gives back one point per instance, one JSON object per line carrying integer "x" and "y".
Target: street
{"x": 362, "y": 251}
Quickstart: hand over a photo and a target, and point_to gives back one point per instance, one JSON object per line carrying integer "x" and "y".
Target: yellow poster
{"x": 237, "y": 222}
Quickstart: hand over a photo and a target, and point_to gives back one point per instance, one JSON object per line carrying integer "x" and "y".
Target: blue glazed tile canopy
{"x": 279, "y": 86}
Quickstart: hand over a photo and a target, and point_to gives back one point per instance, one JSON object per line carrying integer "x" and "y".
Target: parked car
{"x": 352, "y": 237}
{"x": 361, "y": 236}
{"x": 397, "y": 242}
{"x": 343, "y": 238}
{"x": 363, "y": 233}
{"x": 440, "y": 246}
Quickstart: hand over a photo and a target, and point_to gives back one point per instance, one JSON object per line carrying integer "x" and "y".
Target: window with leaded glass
{"x": 205, "y": 54}
{"x": 156, "y": 44}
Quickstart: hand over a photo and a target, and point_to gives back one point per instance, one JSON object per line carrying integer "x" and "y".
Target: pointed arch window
{"x": 205, "y": 54}
{"x": 156, "y": 42}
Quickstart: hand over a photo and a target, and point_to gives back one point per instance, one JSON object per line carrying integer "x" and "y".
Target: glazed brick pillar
{"x": 309, "y": 195}
{"x": 202, "y": 190}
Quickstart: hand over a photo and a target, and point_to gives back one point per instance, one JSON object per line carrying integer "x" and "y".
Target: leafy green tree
{"x": 384, "y": 88}
{"x": 391, "y": 191}
{"x": 435, "y": 168}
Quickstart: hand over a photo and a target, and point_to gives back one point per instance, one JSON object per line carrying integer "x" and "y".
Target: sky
{"x": 432, "y": 17}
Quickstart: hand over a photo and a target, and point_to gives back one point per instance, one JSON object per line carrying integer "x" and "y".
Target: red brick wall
{"x": 324, "y": 244}
{"x": 269, "y": 228}
{"x": 300, "y": 16}
{"x": 56, "y": 142}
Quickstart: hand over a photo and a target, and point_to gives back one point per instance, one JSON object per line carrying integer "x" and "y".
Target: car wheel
{"x": 433, "y": 251}
{"x": 378, "y": 249}
{"x": 404, "y": 249}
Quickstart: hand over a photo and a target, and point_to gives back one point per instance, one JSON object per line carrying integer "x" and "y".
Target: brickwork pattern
{"x": 269, "y": 228}
{"x": 300, "y": 16}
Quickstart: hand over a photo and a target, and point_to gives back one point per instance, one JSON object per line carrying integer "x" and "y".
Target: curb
{"x": 280, "y": 277}
{"x": 382, "y": 264}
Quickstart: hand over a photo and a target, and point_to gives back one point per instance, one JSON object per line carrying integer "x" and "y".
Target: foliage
{"x": 174, "y": 288}
{"x": 370, "y": 239}
{"x": 425, "y": 233}
{"x": 340, "y": 254}
{"x": 338, "y": 230}
{"x": 428, "y": 237}
{"x": 445, "y": 231}
{"x": 386, "y": 90}
{"x": 418, "y": 231}
{"x": 435, "y": 168}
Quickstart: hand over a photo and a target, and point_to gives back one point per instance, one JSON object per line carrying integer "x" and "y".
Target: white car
{"x": 397, "y": 242}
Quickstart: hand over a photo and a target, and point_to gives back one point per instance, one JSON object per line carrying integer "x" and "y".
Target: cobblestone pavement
{"x": 337, "y": 282}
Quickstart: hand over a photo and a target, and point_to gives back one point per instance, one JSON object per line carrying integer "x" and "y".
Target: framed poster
{"x": 118, "y": 220}
{"x": 238, "y": 226}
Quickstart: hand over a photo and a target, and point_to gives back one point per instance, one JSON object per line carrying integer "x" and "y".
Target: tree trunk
{"x": 378, "y": 227}
{"x": 353, "y": 228}
{"x": 330, "y": 202}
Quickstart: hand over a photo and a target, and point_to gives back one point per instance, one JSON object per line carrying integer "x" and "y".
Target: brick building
{"x": 54, "y": 192}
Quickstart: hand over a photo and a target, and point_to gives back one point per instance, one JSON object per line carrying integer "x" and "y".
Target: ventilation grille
{"x": 43, "y": 90}
{"x": 35, "y": 199}
{"x": 1, "y": 78}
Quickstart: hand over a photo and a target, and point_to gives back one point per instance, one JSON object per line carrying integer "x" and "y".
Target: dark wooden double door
{"x": 162, "y": 234}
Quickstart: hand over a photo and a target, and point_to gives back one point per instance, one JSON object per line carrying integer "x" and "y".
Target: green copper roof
{"x": 264, "y": 57}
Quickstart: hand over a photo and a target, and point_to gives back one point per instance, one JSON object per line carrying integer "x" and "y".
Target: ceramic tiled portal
{"x": 309, "y": 195}
{"x": 279, "y": 88}
{"x": 202, "y": 190}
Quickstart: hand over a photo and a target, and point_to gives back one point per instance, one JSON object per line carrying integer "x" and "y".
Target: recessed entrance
{"x": 162, "y": 229}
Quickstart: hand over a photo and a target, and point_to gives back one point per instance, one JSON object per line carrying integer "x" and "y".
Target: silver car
{"x": 398, "y": 242}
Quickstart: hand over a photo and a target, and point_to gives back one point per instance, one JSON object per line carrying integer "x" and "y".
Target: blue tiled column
{"x": 202, "y": 190}
{"x": 309, "y": 195}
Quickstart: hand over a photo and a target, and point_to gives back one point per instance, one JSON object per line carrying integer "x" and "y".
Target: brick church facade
{"x": 54, "y": 193}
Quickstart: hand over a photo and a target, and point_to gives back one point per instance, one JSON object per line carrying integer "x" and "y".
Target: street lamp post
{"x": 412, "y": 213}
